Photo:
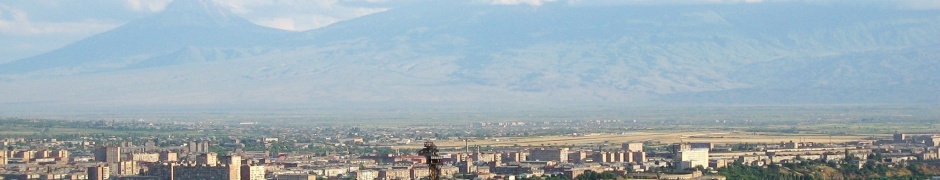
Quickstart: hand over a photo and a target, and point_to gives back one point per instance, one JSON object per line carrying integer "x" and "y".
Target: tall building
{"x": 458, "y": 157}
{"x": 173, "y": 171}
{"x": 486, "y": 157}
{"x": 26, "y": 155}
{"x": 203, "y": 172}
{"x": 167, "y": 156}
{"x": 639, "y": 157}
{"x": 249, "y": 172}
{"x": 125, "y": 168}
{"x": 150, "y": 146}
{"x": 198, "y": 146}
{"x": 4, "y": 157}
{"x": 633, "y": 147}
{"x": 231, "y": 160}
{"x": 210, "y": 159}
{"x": 898, "y": 137}
{"x": 108, "y": 154}
{"x": 601, "y": 157}
{"x": 549, "y": 154}
{"x": 622, "y": 156}
{"x": 163, "y": 170}
{"x": 691, "y": 158}
{"x": 61, "y": 154}
{"x": 678, "y": 147}
{"x": 43, "y": 154}
{"x": 933, "y": 141}
{"x": 10, "y": 152}
{"x": 234, "y": 163}
{"x": 514, "y": 157}
{"x": 191, "y": 147}
{"x": 98, "y": 173}
{"x": 577, "y": 156}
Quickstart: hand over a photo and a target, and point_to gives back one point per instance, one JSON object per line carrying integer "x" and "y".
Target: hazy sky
{"x": 31, "y": 27}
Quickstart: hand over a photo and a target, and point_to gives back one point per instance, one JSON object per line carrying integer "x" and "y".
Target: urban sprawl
{"x": 138, "y": 150}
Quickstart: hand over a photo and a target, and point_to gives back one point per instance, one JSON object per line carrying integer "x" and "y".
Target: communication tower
{"x": 433, "y": 159}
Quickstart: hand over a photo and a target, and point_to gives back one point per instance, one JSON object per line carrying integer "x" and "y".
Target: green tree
{"x": 589, "y": 175}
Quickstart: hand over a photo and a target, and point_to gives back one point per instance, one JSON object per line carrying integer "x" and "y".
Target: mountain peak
{"x": 154, "y": 41}
{"x": 199, "y": 13}
{"x": 207, "y": 7}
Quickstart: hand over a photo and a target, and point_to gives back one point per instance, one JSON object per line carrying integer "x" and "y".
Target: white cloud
{"x": 17, "y": 22}
{"x": 67, "y": 17}
{"x": 920, "y": 4}
{"x": 623, "y": 2}
{"x": 299, "y": 15}
{"x": 147, "y": 5}
{"x": 521, "y": 2}
{"x": 620, "y": 2}
{"x": 907, "y": 4}
{"x": 279, "y": 23}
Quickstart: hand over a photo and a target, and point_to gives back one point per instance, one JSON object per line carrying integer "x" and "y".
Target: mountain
{"x": 459, "y": 53}
{"x": 907, "y": 75}
{"x": 633, "y": 51}
{"x": 176, "y": 35}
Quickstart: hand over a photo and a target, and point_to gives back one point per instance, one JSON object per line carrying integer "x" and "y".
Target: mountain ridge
{"x": 184, "y": 24}
{"x": 473, "y": 53}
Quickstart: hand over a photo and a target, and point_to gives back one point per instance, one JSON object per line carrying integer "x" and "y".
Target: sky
{"x": 31, "y": 27}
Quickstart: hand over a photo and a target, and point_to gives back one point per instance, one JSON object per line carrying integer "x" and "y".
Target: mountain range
{"x": 198, "y": 54}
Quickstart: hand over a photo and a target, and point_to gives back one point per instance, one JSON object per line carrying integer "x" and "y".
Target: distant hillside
{"x": 187, "y": 31}
{"x": 197, "y": 54}
{"x": 884, "y": 76}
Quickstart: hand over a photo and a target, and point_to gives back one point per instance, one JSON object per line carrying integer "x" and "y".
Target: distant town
{"x": 590, "y": 149}
{"x": 469, "y": 89}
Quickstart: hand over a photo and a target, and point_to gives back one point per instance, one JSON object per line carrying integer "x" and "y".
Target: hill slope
{"x": 176, "y": 35}
{"x": 460, "y": 53}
